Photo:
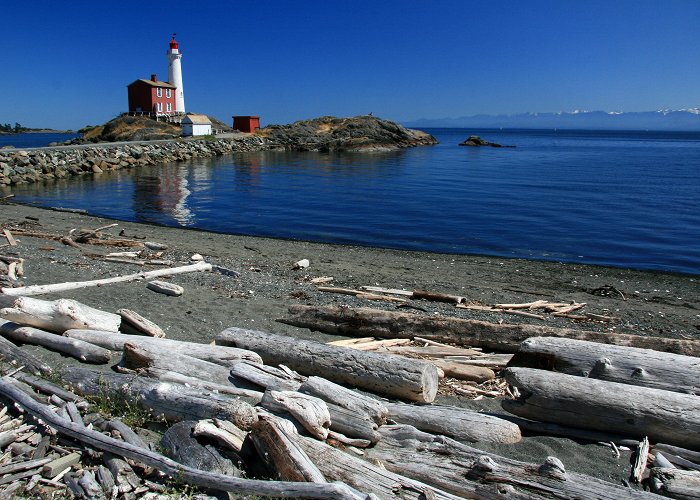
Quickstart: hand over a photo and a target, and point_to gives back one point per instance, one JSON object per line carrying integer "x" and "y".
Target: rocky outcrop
{"x": 476, "y": 141}
{"x": 33, "y": 165}
{"x": 132, "y": 128}
{"x": 328, "y": 133}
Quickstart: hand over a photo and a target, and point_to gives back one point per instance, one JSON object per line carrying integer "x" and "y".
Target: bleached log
{"x": 48, "y": 388}
{"x": 221, "y": 431}
{"x": 172, "y": 401}
{"x": 693, "y": 456}
{"x": 139, "y": 323}
{"x": 12, "y": 354}
{"x": 473, "y": 473}
{"x": 346, "y": 398}
{"x": 336, "y": 465}
{"x": 437, "y": 297}
{"x": 464, "y": 371}
{"x": 282, "y": 455}
{"x": 165, "y": 288}
{"x": 265, "y": 376}
{"x": 663, "y": 416}
{"x": 366, "y": 322}
{"x": 83, "y": 351}
{"x": 251, "y": 396}
{"x": 353, "y": 425}
{"x": 126, "y": 432}
{"x": 221, "y": 355}
{"x": 461, "y": 424}
{"x": 59, "y": 315}
{"x": 627, "y": 365}
{"x": 62, "y": 287}
{"x": 384, "y": 374}
{"x": 676, "y": 483}
{"x": 141, "y": 357}
{"x": 310, "y": 412}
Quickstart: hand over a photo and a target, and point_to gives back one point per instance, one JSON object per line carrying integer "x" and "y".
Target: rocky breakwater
{"x": 328, "y": 133}
{"x": 34, "y": 165}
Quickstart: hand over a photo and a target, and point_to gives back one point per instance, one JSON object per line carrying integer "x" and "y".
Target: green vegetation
{"x": 17, "y": 129}
{"x": 118, "y": 405}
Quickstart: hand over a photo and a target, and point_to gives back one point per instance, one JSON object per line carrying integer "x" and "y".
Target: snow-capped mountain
{"x": 663, "y": 119}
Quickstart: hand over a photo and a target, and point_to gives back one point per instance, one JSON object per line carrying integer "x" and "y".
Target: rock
{"x": 328, "y": 133}
{"x": 197, "y": 258}
{"x": 475, "y": 141}
{"x": 302, "y": 264}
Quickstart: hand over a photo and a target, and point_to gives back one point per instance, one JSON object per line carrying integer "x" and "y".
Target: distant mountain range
{"x": 664, "y": 119}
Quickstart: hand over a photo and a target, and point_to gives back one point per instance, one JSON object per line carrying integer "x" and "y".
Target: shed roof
{"x": 152, "y": 83}
{"x": 195, "y": 119}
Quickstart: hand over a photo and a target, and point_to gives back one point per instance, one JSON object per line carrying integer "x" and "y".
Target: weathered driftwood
{"x": 336, "y": 465}
{"x": 223, "y": 432}
{"x": 251, "y": 396}
{"x": 353, "y": 425}
{"x": 126, "y": 432}
{"x": 676, "y": 483}
{"x": 464, "y": 371}
{"x": 346, "y": 398}
{"x": 384, "y": 374}
{"x": 59, "y": 315}
{"x": 179, "y": 444}
{"x": 310, "y": 412}
{"x": 165, "y": 288}
{"x": 366, "y": 322}
{"x": 472, "y": 473}
{"x": 172, "y": 401}
{"x": 47, "y": 387}
{"x": 221, "y": 355}
{"x": 83, "y": 351}
{"x": 62, "y": 287}
{"x": 141, "y": 357}
{"x": 282, "y": 455}
{"x": 132, "y": 319}
{"x": 664, "y": 416}
{"x": 13, "y": 354}
{"x": 693, "y": 456}
{"x": 461, "y": 424}
{"x": 628, "y": 365}
{"x": 437, "y": 297}
{"x": 265, "y": 376}
{"x": 176, "y": 470}
{"x": 640, "y": 461}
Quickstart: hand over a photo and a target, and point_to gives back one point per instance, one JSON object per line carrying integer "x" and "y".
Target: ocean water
{"x": 37, "y": 140}
{"x": 627, "y": 199}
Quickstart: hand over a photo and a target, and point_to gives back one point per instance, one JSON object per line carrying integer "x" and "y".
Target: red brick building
{"x": 151, "y": 97}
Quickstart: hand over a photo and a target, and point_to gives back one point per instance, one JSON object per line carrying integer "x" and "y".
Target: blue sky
{"x": 67, "y": 64}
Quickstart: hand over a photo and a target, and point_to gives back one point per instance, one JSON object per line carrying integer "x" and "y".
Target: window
{"x": 169, "y": 106}
{"x": 159, "y": 92}
{"x": 168, "y": 93}
{"x": 160, "y": 107}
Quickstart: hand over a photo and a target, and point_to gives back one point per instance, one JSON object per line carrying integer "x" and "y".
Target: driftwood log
{"x": 472, "y": 473}
{"x": 343, "y": 397}
{"x": 83, "y": 351}
{"x": 221, "y": 355}
{"x": 627, "y": 365}
{"x": 18, "y": 357}
{"x": 62, "y": 287}
{"x": 366, "y": 322}
{"x": 309, "y": 411}
{"x": 676, "y": 483}
{"x": 461, "y": 424}
{"x": 59, "y": 315}
{"x": 384, "y": 374}
{"x": 353, "y": 425}
{"x": 172, "y": 468}
{"x": 664, "y": 416}
{"x": 336, "y": 465}
{"x": 140, "y": 325}
{"x": 172, "y": 401}
{"x": 265, "y": 376}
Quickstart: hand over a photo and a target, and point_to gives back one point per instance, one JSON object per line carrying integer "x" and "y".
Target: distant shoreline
{"x": 39, "y": 131}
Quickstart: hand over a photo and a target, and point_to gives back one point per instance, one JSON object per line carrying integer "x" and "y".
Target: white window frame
{"x": 168, "y": 93}
{"x": 159, "y": 107}
{"x": 169, "y": 107}
{"x": 159, "y": 92}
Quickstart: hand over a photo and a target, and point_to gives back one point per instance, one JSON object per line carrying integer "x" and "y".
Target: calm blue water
{"x": 612, "y": 198}
{"x": 33, "y": 140}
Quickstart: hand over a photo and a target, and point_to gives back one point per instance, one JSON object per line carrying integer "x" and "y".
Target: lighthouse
{"x": 175, "y": 74}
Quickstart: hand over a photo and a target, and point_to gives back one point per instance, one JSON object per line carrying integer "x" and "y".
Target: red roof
{"x": 173, "y": 44}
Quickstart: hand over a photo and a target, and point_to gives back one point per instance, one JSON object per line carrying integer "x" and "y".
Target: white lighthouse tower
{"x": 175, "y": 75}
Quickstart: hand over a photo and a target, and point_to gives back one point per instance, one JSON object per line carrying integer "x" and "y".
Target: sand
{"x": 654, "y": 303}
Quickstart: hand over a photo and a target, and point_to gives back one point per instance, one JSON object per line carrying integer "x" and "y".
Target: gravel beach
{"x": 645, "y": 303}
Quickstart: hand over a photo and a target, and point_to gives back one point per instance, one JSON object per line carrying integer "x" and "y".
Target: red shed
{"x": 152, "y": 97}
{"x": 246, "y": 123}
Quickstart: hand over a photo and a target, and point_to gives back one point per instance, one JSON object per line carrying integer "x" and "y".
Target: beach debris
{"x": 10, "y": 239}
{"x": 321, "y": 279}
{"x": 61, "y": 287}
{"x": 59, "y": 315}
{"x": 196, "y": 257}
{"x": 301, "y": 264}
{"x": 675, "y": 483}
{"x": 225, "y": 271}
{"x": 165, "y": 288}
{"x": 138, "y": 324}
{"x": 79, "y": 211}
{"x": 606, "y": 291}
{"x": 640, "y": 460}
{"x": 151, "y": 245}
{"x": 502, "y": 337}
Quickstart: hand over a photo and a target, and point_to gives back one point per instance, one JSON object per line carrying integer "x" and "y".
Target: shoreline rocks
{"x": 476, "y": 141}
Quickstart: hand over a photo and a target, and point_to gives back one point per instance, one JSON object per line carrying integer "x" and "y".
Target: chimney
{"x": 154, "y": 78}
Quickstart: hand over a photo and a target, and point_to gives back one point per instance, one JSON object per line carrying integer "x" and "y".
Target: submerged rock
{"x": 359, "y": 133}
{"x": 475, "y": 141}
